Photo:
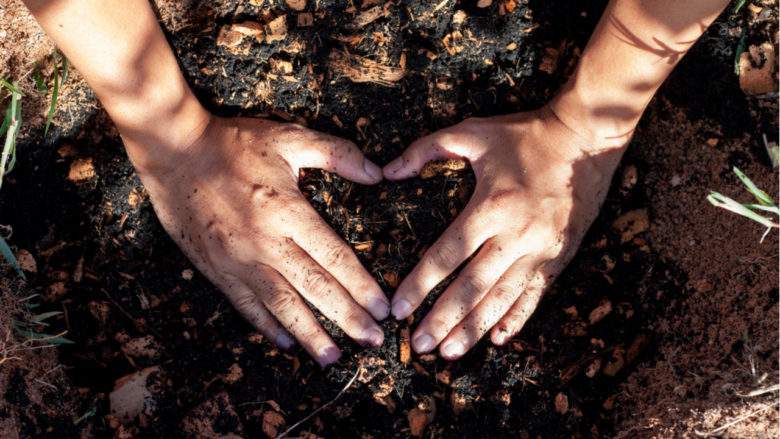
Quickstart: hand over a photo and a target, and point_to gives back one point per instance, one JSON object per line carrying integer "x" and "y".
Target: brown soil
{"x": 693, "y": 326}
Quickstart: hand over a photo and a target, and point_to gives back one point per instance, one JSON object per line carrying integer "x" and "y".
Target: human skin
{"x": 226, "y": 189}
{"x": 541, "y": 177}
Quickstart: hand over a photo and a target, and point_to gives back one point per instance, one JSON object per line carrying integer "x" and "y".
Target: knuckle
{"x": 281, "y": 300}
{"x": 444, "y": 255}
{"x": 316, "y": 282}
{"x": 503, "y": 292}
{"x": 336, "y": 255}
{"x": 472, "y": 286}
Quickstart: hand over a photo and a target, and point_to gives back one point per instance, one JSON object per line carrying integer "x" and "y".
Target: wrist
{"x": 159, "y": 127}
{"x": 597, "y": 117}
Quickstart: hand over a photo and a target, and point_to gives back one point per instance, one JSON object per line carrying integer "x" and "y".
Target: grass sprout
{"x": 60, "y": 76}
{"x": 754, "y": 211}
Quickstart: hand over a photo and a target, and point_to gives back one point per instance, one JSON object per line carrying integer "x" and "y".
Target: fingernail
{"x": 453, "y": 349}
{"x": 329, "y": 355}
{"x": 374, "y": 336}
{"x": 500, "y": 337}
{"x": 372, "y": 170}
{"x": 379, "y": 308}
{"x": 395, "y": 165}
{"x": 423, "y": 343}
{"x": 401, "y": 309}
{"x": 284, "y": 341}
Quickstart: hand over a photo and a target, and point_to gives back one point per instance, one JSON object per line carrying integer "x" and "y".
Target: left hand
{"x": 539, "y": 187}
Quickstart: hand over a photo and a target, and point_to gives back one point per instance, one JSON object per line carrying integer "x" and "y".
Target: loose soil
{"x": 689, "y": 294}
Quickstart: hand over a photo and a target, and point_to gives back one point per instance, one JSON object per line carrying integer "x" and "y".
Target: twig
{"x": 322, "y": 407}
{"x": 757, "y": 392}
{"x": 733, "y": 422}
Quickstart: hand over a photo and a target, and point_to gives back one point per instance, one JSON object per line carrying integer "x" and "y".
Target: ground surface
{"x": 693, "y": 294}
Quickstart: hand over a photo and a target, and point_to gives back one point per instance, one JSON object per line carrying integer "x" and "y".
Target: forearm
{"x": 122, "y": 53}
{"x": 635, "y": 46}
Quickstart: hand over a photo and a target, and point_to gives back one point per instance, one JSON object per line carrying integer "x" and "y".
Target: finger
{"x": 465, "y": 293}
{"x": 439, "y": 145}
{"x": 490, "y": 310}
{"x": 461, "y": 239}
{"x": 248, "y": 304}
{"x": 322, "y": 290}
{"x": 291, "y": 311}
{"x": 520, "y": 311}
{"x": 337, "y": 155}
{"x": 338, "y": 259}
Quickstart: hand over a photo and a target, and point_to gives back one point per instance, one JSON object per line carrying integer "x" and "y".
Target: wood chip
{"x": 600, "y": 312}
{"x": 272, "y": 421}
{"x": 296, "y": 5}
{"x": 276, "y": 29}
{"x": 616, "y": 363}
{"x": 442, "y": 167}
{"x": 422, "y": 415}
{"x": 81, "y": 170}
{"x": 631, "y": 224}
{"x": 484, "y": 3}
{"x": 359, "y": 69}
{"x": 405, "y": 346}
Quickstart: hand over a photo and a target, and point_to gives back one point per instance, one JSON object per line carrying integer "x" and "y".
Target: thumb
{"x": 439, "y": 145}
{"x": 338, "y": 155}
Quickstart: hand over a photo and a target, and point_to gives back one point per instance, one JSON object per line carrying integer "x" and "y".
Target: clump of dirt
{"x": 651, "y": 313}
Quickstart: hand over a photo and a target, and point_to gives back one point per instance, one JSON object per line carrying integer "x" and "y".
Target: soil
{"x": 688, "y": 294}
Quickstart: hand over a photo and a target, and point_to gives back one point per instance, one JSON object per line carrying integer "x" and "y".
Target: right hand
{"x": 231, "y": 202}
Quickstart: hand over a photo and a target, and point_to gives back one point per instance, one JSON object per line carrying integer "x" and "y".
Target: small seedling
{"x": 60, "y": 76}
{"x": 10, "y": 128}
{"x": 32, "y": 326}
{"x": 753, "y": 211}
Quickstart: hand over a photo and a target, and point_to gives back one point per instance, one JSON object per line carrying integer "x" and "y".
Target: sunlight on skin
{"x": 226, "y": 190}
{"x": 541, "y": 177}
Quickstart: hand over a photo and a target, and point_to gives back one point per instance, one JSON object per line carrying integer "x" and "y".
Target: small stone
{"x": 131, "y": 396}
{"x": 757, "y": 69}
{"x": 81, "y": 170}
{"x": 561, "y": 403}
{"x": 26, "y": 261}
{"x": 676, "y": 180}
{"x": 187, "y": 274}
{"x": 484, "y": 3}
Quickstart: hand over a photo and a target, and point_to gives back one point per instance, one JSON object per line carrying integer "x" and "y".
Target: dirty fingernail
{"x": 372, "y": 170}
{"x": 379, "y": 308}
{"x": 401, "y": 309}
{"x": 453, "y": 349}
{"x": 329, "y": 355}
{"x": 374, "y": 336}
{"x": 284, "y": 341}
{"x": 423, "y": 343}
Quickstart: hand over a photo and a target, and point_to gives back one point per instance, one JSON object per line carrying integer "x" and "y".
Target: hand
{"x": 539, "y": 187}
{"x": 231, "y": 202}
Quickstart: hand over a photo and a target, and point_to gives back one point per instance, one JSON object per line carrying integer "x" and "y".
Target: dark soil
{"x": 123, "y": 278}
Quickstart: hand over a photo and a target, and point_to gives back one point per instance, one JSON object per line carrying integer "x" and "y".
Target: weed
{"x": 752, "y": 211}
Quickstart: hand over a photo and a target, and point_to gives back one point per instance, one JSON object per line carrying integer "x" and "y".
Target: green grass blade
{"x": 771, "y": 209}
{"x": 8, "y": 255}
{"x": 724, "y": 202}
{"x": 55, "y": 94}
{"x": 64, "y": 70}
{"x": 741, "y": 47}
{"x": 45, "y": 316}
{"x": 740, "y": 4}
{"x": 11, "y": 87}
{"x": 13, "y": 114}
{"x": 760, "y": 195}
